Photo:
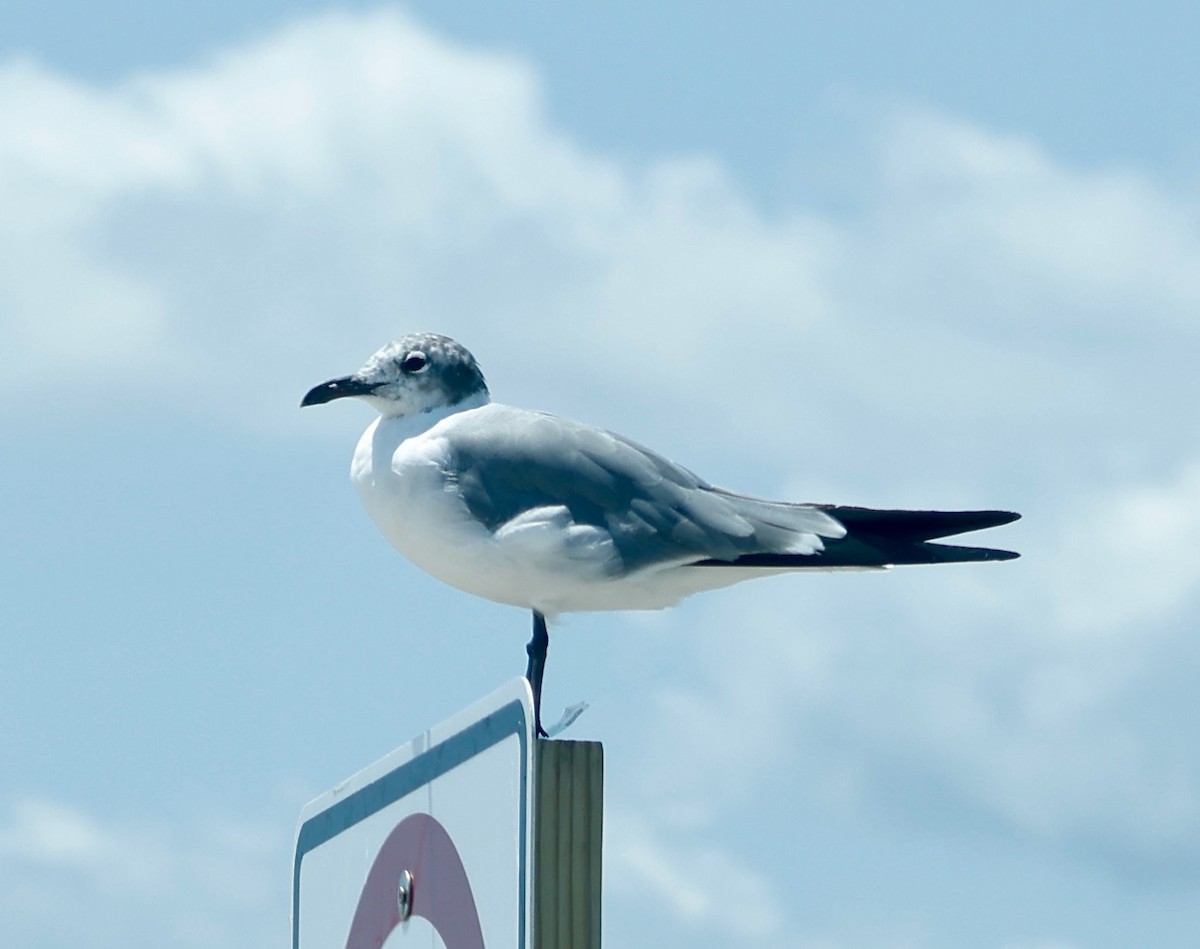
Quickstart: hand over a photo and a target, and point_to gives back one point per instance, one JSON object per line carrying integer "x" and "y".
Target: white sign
{"x": 430, "y": 845}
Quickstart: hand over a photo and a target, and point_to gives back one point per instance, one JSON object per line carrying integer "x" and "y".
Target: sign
{"x": 432, "y": 842}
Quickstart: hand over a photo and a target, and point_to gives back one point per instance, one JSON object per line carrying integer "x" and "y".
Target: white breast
{"x": 401, "y": 478}
{"x": 401, "y": 471}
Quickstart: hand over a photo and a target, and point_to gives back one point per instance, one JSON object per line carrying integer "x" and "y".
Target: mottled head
{"x": 421, "y": 372}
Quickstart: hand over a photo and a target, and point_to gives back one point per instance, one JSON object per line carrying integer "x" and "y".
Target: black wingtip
{"x": 855, "y": 554}
{"x": 917, "y": 526}
{"x": 951, "y": 553}
{"x": 889, "y": 538}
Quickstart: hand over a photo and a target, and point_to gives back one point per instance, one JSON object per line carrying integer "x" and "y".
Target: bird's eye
{"x": 414, "y": 362}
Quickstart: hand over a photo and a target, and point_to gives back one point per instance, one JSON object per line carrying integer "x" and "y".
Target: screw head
{"x": 404, "y": 895}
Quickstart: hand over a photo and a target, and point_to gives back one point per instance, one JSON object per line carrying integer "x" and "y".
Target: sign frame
{"x": 506, "y": 713}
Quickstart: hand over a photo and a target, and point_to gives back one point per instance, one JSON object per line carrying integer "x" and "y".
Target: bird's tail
{"x": 889, "y": 538}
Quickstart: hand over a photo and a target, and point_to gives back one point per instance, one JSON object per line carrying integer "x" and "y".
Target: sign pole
{"x": 568, "y": 837}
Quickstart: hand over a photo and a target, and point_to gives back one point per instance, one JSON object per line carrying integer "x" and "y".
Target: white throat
{"x": 406, "y": 426}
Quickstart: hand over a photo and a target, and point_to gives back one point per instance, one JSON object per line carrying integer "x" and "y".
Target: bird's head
{"x": 421, "y": 372}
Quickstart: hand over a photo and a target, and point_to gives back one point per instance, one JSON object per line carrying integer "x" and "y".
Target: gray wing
{"x": 655, "y": 510}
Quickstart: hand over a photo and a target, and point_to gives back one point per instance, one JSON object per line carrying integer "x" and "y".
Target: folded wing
{"x": 658, "y": 513}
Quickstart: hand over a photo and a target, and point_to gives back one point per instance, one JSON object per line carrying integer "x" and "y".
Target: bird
{"x": 552, "y": 515}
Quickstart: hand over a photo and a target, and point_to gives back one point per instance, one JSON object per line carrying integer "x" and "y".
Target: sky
{"x": 937, "y": 257}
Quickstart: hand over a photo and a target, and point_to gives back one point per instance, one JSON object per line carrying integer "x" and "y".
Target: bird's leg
{"x": 536, "y": 649}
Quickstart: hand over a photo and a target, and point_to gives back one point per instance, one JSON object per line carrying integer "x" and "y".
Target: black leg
{"x": 536, "y": 649}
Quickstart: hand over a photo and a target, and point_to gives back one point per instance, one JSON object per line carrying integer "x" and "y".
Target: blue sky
{"x": 948, "y": 259}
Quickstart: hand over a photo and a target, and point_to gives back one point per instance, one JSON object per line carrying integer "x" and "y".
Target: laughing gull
{"x": 555, "y": 516}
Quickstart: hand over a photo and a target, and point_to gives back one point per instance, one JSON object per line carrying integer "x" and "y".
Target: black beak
{"x": 337, "y": 389}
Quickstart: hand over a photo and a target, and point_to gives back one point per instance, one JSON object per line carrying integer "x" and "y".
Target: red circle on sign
{"x": 441, "y": 892}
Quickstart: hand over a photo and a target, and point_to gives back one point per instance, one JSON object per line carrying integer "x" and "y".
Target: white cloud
{"x": 343, "y": 180}
{"x": 962, "y": 715}
{"x": 1100, "y": 241}
{"x": 70, "y": 877}
{"x": 46, "y": 834}
{"x": 236, "y": 229}
{"x": 703, "y": 886}
{"x": 1133, "y": 557}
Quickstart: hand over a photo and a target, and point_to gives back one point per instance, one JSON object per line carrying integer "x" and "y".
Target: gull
{"x": 548, "y": 514}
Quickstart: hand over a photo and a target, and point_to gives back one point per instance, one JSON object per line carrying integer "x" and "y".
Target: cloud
{"x": 703, "y": 886}
{"x": 1097, "y": 243}
{"x": 69, "y": 877}
{"x": 44, "y": 834}
{"x": 233, "y": 230}
{"x": 343, "y": 180}
{"x": 913, "y": 700}
{"x": 1134, "y": 558}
